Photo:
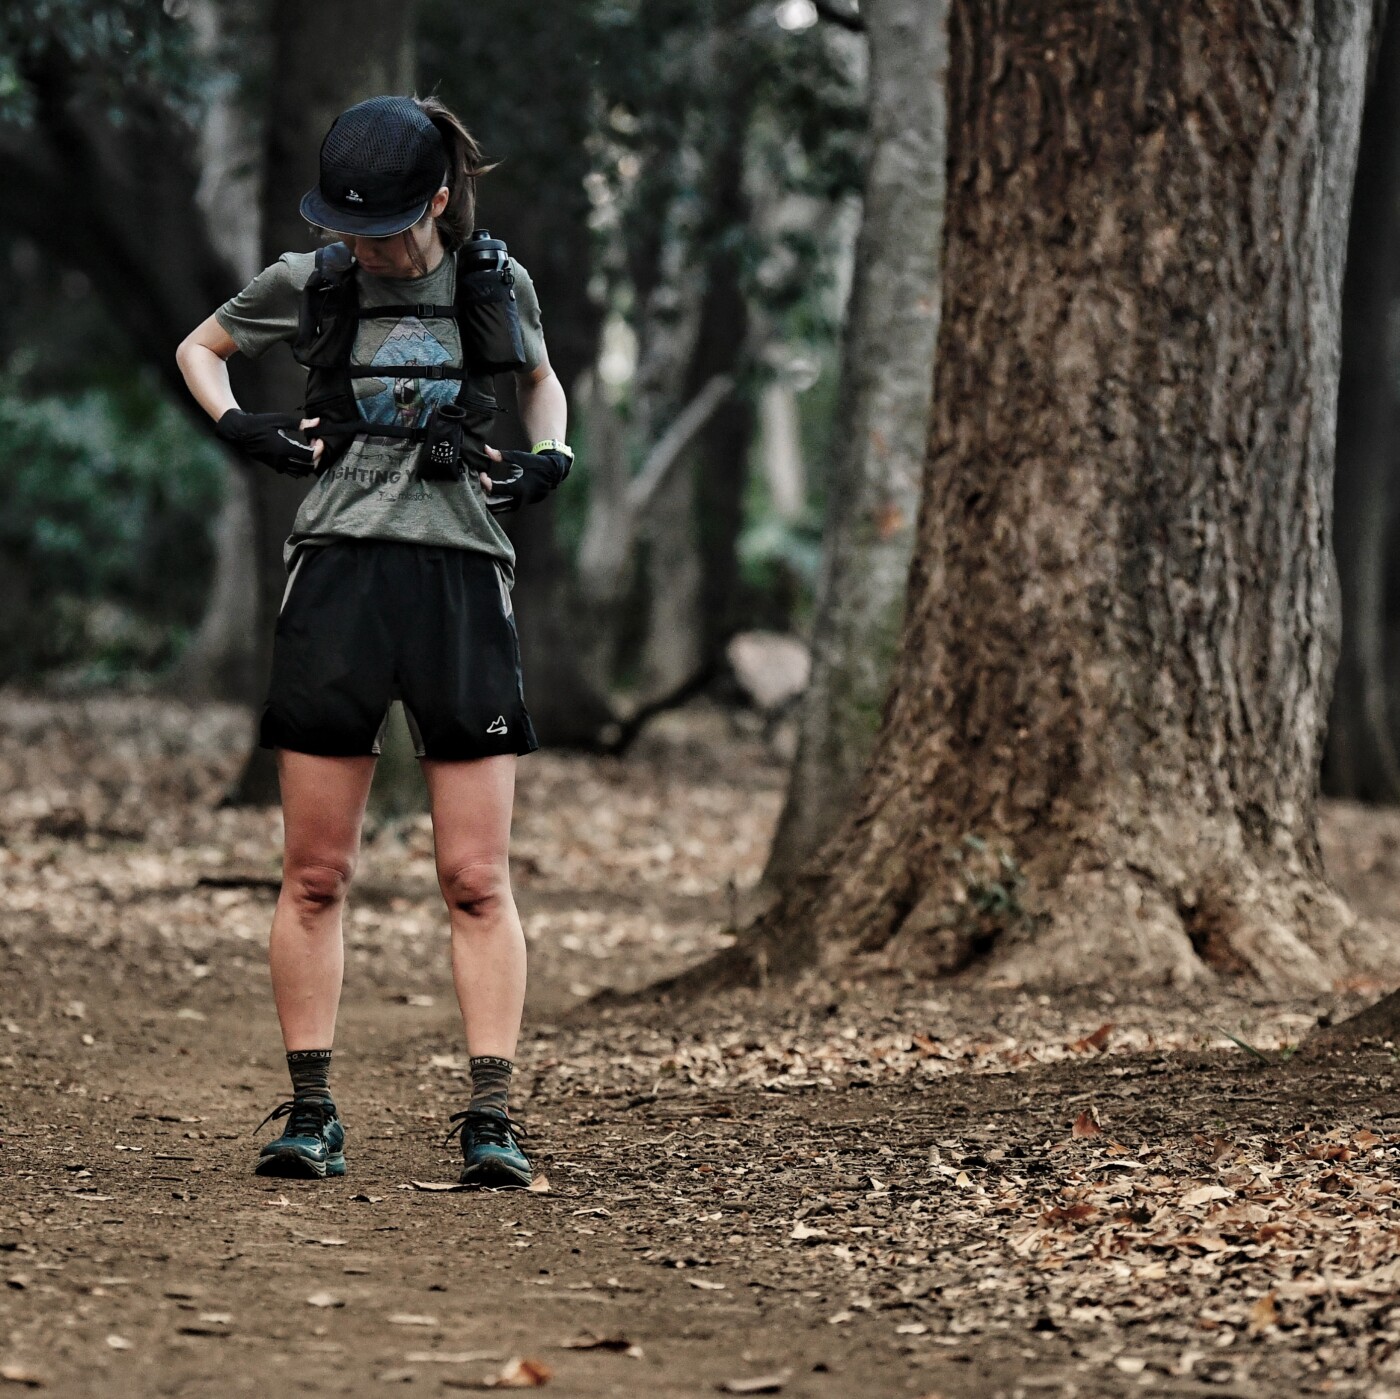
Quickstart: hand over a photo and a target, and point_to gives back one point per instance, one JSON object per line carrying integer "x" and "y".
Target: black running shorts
{"x": 368, "y": 621}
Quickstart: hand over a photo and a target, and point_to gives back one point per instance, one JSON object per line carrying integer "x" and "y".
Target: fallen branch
{"x": 629, "y": 729}
{"x": 642, "y": 488}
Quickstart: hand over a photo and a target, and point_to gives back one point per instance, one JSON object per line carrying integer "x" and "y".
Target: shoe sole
{"x": 291, "y": 1165}
{"x": 494, "y": 1180}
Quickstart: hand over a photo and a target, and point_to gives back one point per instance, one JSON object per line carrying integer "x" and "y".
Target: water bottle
{"x": 488, "y": 315}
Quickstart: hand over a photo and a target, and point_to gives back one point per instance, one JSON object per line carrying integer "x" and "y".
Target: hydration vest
{"x": 330, "y": 316}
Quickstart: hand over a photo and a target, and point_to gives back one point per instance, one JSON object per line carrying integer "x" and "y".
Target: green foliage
{"x": 104, "y": 542}
{"x": 119, "y": 51}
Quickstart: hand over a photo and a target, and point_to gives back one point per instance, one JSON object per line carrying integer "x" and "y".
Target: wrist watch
{"x": 550, "y": 445}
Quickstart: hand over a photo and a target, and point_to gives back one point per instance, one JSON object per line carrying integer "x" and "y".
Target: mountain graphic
{"x": 409, "y": 342}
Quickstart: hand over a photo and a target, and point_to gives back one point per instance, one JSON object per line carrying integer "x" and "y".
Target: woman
{"x": 398, "y": 586}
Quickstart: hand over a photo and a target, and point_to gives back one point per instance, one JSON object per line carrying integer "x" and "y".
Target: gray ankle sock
{"x": 490, "y": 1082}
{"x": 311, "y": 1072}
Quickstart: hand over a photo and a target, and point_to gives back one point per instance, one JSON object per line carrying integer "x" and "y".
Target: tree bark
{"x": 1100, "y": 753}
{"x": 1361, "y": 758}
{"x": 881, "y": 426}
{"x": 318, "y": 70}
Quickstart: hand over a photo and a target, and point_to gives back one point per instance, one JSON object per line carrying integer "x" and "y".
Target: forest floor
{"x": 879, "y": 1189}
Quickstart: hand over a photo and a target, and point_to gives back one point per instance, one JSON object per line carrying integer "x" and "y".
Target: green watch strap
{"x": 550, "y": 445}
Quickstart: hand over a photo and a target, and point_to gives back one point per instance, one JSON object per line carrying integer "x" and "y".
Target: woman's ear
{"x": 439, "y": 202}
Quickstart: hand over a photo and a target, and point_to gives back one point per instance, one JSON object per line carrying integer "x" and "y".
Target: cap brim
{"x": 314, "y": 209}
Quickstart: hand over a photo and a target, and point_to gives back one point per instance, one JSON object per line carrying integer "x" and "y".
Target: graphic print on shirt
{"x": 406, "y": 402}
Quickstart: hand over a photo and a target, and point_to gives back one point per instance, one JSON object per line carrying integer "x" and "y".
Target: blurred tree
{"x": 538, "y": 201}
{"x": 317, "y": 70}
{"x": 714, "y": 114}
{"x": 1364, "y": 724}
{"x": 881, "y": 427}
{"x": 1100, "y": 754}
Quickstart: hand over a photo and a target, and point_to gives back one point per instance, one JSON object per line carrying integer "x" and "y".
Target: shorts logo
{"x": 497, "y": 725}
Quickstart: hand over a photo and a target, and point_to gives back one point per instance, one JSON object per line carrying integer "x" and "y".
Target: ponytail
{"x": 465, "y": 163}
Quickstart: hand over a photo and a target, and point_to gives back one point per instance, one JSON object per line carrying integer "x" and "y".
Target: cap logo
{"x": 354, "y": 196}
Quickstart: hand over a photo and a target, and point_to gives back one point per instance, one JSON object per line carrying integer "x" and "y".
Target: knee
{"x": 315, "y": 886}
{"x": 478, "y": 889}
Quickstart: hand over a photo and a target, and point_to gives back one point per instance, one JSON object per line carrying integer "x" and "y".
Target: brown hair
{"x": 465, "y": 163}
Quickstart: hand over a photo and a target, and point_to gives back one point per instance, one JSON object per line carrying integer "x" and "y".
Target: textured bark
{"x": 318, "y": 70}
{"x": 1361, "y": 758}
{"x": 881, "y": 426}
{"x": 1101, "y": 748}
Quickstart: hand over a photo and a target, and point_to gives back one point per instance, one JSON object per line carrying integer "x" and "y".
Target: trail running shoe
{"x": 312, "y": 1145}
{"x": 491, "y": 1153}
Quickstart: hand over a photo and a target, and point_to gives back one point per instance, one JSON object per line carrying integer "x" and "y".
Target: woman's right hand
{"x": 266, "y": 437}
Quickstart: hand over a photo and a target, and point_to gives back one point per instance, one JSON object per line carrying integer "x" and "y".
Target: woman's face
{"x": 392, "y": 256}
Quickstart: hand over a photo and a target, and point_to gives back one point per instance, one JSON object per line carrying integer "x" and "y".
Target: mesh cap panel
{"x": 381, "y": 162}
{"x": 384, "y": 136}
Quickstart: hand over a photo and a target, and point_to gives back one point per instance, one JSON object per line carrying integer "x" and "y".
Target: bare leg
{"x": 323, "y": 807}
{"x": 471, "y": 803}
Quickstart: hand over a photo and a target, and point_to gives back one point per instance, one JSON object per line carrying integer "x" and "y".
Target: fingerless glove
{"x": 265, "y": 438}
{"x": 523, "y": 478}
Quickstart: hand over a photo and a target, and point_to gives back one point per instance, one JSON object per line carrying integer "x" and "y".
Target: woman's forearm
{"x": 207, "y": 376}
{"x": 544, "y": 410}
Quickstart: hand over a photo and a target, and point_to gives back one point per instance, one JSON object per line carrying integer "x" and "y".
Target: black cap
{"x": 381, "y": 163}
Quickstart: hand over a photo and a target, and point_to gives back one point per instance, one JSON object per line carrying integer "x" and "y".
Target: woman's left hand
{"x": 526, "y": 478}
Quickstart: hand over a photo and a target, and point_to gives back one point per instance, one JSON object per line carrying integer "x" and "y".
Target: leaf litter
{"x": 1123, "y": 1185}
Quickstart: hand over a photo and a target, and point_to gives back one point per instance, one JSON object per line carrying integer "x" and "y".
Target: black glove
{"x": 264, "y": 437}
{"x": 523, "y": 478}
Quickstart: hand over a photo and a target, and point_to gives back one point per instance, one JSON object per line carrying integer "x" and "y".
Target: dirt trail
{"x": 874, "y": 1190}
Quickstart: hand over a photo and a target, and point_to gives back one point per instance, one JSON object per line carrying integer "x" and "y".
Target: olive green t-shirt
{"x": 374, "y": 491}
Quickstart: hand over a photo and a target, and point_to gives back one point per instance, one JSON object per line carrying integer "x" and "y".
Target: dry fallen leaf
{"x": 436, "y": 1185}
{"x": 540, "y": 1185}
{"x": 18, "y": 1374}
{"x": 118, "y": 1343}
{"x": 1086, "y": 1124}
{"x": 760, "y": 1384}
{"x": 324, "y": 1299}
{"x": 705, "y": 1285}
{"x": 1205, "y": 1194}
{"x": 520, "y": 1373}
{"x": 411, "y": 1319}
{"x": 1098, "y": 1040}
{"x": 1263, "y": 1314}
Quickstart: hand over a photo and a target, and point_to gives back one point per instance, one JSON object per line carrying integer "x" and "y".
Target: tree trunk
{"x": 881, "y": 426}
{"x": 693, "y": 564}
{"x": 1361, "y": 757}
{"x": 1100, "y": 753}
{"x": 784, "y": 470}
{"x": 318, "y": 70}
{"x": 218, "y": 664}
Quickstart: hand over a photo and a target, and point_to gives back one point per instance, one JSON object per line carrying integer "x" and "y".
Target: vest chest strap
{"x": 404, "y": 371}
{"x": 424, "y": 310}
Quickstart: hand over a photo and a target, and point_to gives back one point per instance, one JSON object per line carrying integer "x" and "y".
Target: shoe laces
{"x": 307, "y": 1117}
{"x": 491, "y": 1128}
